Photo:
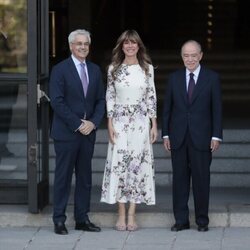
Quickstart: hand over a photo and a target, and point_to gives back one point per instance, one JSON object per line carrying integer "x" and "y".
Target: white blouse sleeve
{"x": 110, "y": 94}
{"x": 151, "y": 94}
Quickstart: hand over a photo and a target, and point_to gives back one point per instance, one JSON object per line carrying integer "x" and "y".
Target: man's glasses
{"x": 80, "y": 44}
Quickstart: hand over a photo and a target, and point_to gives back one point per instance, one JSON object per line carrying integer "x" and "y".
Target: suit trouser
{"x": 190, "y": 163}
{"x": 73, "y": 155}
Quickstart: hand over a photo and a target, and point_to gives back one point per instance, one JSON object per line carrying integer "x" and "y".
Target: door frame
{"x": 37, "y": 105}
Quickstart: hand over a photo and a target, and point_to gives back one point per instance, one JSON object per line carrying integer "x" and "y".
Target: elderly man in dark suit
{"x": 77, "y": 99}
{"x": 192, "y": 130}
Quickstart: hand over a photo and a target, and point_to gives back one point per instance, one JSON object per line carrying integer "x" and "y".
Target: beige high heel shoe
{"x": 120, "y": 224}
{"x": 132, "y": 226}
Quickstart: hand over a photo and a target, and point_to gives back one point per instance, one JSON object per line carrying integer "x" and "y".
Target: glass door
{"x": 13, "y": 101}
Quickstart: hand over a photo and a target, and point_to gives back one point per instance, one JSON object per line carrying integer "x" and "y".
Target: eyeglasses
{"x": 190, "y": 56}
{"x": 79, "y": 44}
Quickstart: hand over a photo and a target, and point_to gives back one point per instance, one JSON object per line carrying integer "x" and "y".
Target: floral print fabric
{"x": 129, "y": 168}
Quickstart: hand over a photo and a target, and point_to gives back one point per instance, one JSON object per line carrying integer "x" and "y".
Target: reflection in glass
{"x": 13, "y": 131}
{"x": 13, "y": 36}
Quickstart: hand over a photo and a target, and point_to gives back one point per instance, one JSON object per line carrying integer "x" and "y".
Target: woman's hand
{"x": 153, "y": 131}
{"x": 111, "y": 130}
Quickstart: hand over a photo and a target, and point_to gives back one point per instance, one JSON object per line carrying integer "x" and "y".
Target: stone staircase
{"x": 230, "y": 166}
{"x": 215, "y": 20}
{"x": 230, "y": 186}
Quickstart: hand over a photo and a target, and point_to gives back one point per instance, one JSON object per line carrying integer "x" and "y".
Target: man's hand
{"x": 166, "y": 143}
{"x": 214, "y": 145}
{"x": 86, "y": 127}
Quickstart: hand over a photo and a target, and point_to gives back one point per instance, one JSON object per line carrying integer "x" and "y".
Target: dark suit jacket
{"x": 203, "y": 117}
{"x": 68, "y": 101}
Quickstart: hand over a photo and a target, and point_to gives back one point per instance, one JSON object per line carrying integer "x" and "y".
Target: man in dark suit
{"x": 192, "y": 130}
{"x": 77, "y": 99}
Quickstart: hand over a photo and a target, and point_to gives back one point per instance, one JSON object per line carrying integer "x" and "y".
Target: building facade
{"x": 33, "y": 37}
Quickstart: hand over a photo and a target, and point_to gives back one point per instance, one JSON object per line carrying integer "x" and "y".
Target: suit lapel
{"x": 73, "y": 70}
{"x": 90, "y": 74}
{"x": 183, "y": 85}
{"x": 76, "y": 76}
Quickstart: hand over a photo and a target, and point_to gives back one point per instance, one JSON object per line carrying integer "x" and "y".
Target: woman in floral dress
{"x": 132, "y": 127}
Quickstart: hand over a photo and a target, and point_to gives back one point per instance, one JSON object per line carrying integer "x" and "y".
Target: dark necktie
{"x": 84, "y": 79}
{"x": 191, "y": 85}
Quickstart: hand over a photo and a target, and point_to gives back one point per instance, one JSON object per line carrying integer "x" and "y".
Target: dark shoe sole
{"x": 202, "y": 229}
{"x": 61, "y": 233}
{"x": 180, "y": 228}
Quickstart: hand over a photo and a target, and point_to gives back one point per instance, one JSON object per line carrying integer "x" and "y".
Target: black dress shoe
{"x": 87, "y": 226}
{"x": 179, "y": 227}
{"x": 60, "y": 228}
{"x": 202, "y": 228}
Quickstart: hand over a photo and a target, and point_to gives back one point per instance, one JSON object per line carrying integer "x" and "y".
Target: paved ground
{"x": 229, "y": 226}
{"x": 41, "y": 238}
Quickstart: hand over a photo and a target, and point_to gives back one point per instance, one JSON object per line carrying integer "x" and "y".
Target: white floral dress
{"x": 129, "y": 167}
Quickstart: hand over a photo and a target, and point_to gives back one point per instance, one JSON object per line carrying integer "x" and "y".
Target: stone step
{"x": 229, "y": 207}
{"x": 236, "y": 176}
{"x": 229, "y": 149}
{"x": 236, "y": 144}
{"x": 218, "y": 180}
{"x": 233, "y": 136}
{"x": 230, "y": 165}
{"x": 162, "y": 165}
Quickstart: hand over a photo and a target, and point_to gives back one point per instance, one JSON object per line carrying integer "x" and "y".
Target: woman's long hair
{"x": 118, "y": 54}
